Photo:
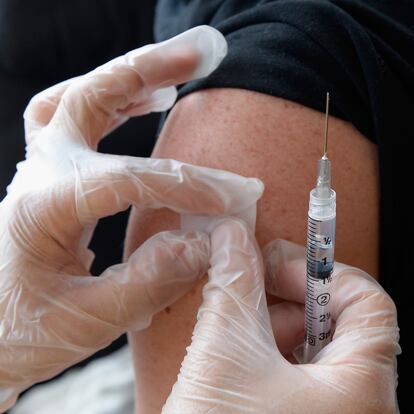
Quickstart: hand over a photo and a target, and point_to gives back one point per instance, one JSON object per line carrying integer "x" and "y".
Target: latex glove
{"x": 52, "y": 313}
{"x": 234, "y": 365}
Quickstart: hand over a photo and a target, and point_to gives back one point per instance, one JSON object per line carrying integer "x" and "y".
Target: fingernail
{"x": 256, "y": 185}
{"x": 271, "y": 259}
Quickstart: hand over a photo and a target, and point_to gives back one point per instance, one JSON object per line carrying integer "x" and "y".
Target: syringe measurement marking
{"x": 310, "y": 304}
{"x": 320, "y": 256}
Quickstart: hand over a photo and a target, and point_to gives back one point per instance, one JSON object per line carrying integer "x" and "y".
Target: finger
{"x": 232, "y": 340}
{"x": 69, "y": 318}
{"x": 102, "y": 185}
{"x": 285, "y": 270}
{"x": 234, "y": 299}
{"x": 108, "y": 184}
{"x": 359, "y": 306}
{"x": 42, "y": 107}
{"x": 126, "y": 296}
{"x": 365, "y": 340}
{"x": 93, "y": 104}
{"x": 288, "y": 324}
{"x": 236, "y": 274}
{"x": 366, "y": 321}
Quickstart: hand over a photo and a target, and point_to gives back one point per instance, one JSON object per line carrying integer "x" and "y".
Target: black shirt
{"x": 362, "y": 51}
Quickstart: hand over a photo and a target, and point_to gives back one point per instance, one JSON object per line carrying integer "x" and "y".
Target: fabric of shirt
{"x": 362, "y": 52}
{"x": 105, "y": 386}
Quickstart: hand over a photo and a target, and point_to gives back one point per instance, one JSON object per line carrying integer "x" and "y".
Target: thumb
{"x": 236, "y": 274}
{"x": 233, "y": 331}
{"x": 63, "y": 319}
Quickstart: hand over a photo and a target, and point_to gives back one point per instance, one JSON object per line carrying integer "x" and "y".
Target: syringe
{"x": 320, "y": 256}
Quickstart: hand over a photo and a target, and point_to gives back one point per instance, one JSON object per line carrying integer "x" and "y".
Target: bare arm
{"x": 278, "y": 141}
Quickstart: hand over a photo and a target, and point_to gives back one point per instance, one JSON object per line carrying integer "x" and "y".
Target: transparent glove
{"x": 52, "y": 312}
{"x": 238, "y": 361}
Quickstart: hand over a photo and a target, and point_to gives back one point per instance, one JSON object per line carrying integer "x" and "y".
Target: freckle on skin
{"x": 167, "y": 309}
{"x": 194, "y": 291}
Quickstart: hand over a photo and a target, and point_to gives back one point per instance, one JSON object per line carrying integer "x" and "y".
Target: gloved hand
{"x": 238, "y": 361}
{"x": 52, "y": 312}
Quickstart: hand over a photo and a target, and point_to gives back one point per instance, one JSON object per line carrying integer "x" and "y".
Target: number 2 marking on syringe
{"x": 323, "y": 299}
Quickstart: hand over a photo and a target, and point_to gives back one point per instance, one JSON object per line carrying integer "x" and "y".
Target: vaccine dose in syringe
{"x": 320, "y": 257}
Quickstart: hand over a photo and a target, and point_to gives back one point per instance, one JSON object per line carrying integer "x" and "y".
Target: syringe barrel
{"x": 321, "y": 208}
{"x": 320, "y": 262}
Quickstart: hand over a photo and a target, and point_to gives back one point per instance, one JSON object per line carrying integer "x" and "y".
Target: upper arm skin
{"x": 279, "y": 142}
